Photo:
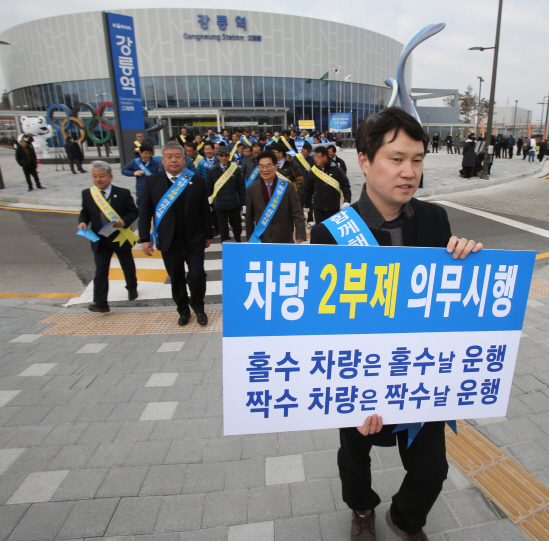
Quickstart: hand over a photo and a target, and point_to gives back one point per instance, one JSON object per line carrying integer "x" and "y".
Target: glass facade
{"x": 306, "y": 99}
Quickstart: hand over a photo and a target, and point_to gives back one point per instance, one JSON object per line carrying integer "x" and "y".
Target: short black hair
{"x": 209, "y": 144}
{"x": 191, "y": 144}
{"x": 371, "y": 133}
{"x": 278, "y": 147}
{"x": 307, "y": 146}
{"x": 145, "y": 146}
{"x": 256, "y": 145}
{"x": 323, "y": 151}
{"x": 332, "y": 147}
{"x": 267, "y": 154}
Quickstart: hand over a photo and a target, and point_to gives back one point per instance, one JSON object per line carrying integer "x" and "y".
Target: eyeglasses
{"x": 263, "y": 167}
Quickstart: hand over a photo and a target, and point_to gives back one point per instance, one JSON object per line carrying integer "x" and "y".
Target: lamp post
{"x": 515, "y": 120}
{"x": 480, "y": 81}
{"x": 546, "y": 115}
{"x": 2, "y": 186}
{"x": 486, "y": 165}
{"x": 542, "y": 103}
{"x": 428, "y": 124}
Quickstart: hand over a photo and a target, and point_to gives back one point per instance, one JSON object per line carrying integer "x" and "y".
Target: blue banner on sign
{"x": 283, "y": 290}
{"x": 340, "y": 122}
{"x": 126, "y": 72}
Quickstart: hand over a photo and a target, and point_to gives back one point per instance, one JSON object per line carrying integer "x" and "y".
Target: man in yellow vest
{"x": 99, "y": 204}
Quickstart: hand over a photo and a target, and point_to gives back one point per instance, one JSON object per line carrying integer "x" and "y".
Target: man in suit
{"x": 183, "y": 137}
{"x": 26, "y": 158}
{"x": 391, "y": 147}
{"x": 335, "y": 158}
{"x": 184, "y": 232}
{"x": 121, "y": 201}
{"x": 288, "y": 213}
{"x": 325, "y": 199}
{"x": 230, "y": 198}
{"x": 132, "y": 169}
{"x": 74, "y": 155}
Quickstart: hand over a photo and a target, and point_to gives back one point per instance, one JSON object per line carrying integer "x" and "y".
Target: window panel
{"x": 259, "y": 99}
{"x": 237, "y": 92}
{"x": 171, "y": 92}
{"x": 226, "y": 92}
{"x": 247, "y": 86}
{"x": 192, "y": 88}
{"x": 269, "y": 93}
{"x": 182, "y": 94}
{"x": 149, "y": 98}
{"x": 160, "y": 91}
{"x": 279, "y": 91}
{"x": 215, "y": 91}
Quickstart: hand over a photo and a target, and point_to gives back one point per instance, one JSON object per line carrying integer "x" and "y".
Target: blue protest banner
{"x": 340, "y": 122}
{"x": 126, "y": 72}
{"x": 322, "y": 336}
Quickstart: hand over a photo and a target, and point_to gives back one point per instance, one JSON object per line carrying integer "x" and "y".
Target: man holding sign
{"x": 176, "y": 201}
{"x": 105, "y": 204}
{"x": 391, "y": 146}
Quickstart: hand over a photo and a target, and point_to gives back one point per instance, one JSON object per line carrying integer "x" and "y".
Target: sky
{"x": 441, "y": 62}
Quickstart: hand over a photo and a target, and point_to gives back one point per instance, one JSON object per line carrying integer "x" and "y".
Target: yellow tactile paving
{"x": 515, "y": 490}
{"x": 538, "y": 288}
{"x": 537, "y": 525}
{"x": 143, "y": 275}
{"x": 470, "y": 450}
{"x": 114, "y": 323}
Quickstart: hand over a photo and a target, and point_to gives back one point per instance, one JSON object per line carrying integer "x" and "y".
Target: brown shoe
{"x": 420, "y": 536}
{"x": 363, "y": 526}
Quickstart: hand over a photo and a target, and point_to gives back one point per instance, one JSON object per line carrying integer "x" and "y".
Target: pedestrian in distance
{"x": 26, "y": 158}
{"x": 533, "y": 150}
{"x": 449, "y": 144}
{"x": 520, "y": 143}
{"x": 121, "y": 202}
{"x": 395, "y": 218}
{"x": 436, "y": 139}
{"x": 457, "y": 143}
{"x": 335, "y": 158}
{"x": 511, "y": 142}
{"x": 183, "y": 232}
{"x": 468, "y": 160}
{"x": 74, "y": 155}
{"x": 264, "y": 191}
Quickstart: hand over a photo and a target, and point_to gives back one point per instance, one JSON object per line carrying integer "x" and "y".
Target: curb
{"x": 69, "y": 203}
{"x": 423, "y": 192}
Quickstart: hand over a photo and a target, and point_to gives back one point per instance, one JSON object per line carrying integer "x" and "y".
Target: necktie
{"x": 269, "y": 187}
{"x": 173, "y": 179}
{"x": 103, "y": 192}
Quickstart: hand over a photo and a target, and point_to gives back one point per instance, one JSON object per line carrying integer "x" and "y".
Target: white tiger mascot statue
{"x": 40, "y": 130}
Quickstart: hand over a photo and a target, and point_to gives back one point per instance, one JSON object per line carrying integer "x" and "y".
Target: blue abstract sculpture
{"x": 399, "y": 86}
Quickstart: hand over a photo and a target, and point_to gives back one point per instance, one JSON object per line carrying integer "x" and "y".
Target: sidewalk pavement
{"x": 63, "y": 188}
{"x": 120, "y": 437}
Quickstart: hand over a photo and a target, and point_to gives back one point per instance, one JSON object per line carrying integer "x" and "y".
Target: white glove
{"x": 345, "y": 205}
{"x": 244, "y": 209}
{"x": 305, "y": 210}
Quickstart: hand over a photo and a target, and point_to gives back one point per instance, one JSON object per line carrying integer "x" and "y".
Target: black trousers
{"x": 510, "y": 150}
{"x": 449, "y": 149}
{"x": 174, "y": 260}
{"x": 435, "y": 147}
{"x": 31, "y": 171}
{"x": 424, "y": 461}
{"x": 77, "y": 162}
{"x": 322, "y": 214}
{"x": 103, "y": 262}
{"x": 226, "y": 217}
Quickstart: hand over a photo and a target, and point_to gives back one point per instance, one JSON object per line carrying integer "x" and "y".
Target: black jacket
{"x": 21, "y": 157}
{"x": 306, "y": 173}
{"x": 233, "y": 193}
{"x": 468, "y": 154}
{"x": 428, "y": 227}
{"x": 325, "y": 197}
{"x": 73, "y": 151}
{"x": 249, "y": 163}
{"x": 121, "y": 201}
{"x": 338, "y": 161}
{"x": 198, "y": 219}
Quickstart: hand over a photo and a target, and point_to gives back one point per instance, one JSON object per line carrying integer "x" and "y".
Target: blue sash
{"x": 270, "y": 142}
{"x": 348, "y": 228}
{"x": 168, "y": 200}
{"x": 253, "y": 176}
{"x": 205, "y": 163}
{"x": 270, "y": 210}
{"x": 142, "y": 166}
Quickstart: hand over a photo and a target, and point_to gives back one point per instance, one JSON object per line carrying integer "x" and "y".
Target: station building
{"x": 202, "y": 67}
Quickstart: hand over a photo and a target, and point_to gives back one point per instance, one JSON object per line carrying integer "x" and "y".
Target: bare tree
{"x": 468, "y": 105}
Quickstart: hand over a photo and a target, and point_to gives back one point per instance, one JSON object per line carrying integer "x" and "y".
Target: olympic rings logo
{"x": 87, "y": 129}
